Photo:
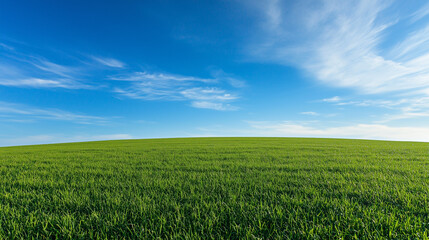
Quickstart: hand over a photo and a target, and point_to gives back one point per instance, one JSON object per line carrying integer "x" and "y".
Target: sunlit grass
{"x": 213, "y": 188}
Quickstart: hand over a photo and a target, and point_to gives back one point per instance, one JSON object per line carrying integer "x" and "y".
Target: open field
{"x": 267, "y": 188}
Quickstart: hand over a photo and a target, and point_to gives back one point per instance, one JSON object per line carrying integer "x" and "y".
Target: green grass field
{"x": 216, "y": 188}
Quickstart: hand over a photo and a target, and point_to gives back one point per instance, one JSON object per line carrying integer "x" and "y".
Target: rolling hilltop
{"x": 213, "y": 188}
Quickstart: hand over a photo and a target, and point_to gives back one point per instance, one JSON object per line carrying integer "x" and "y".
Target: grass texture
{"x": 216, "y": 188}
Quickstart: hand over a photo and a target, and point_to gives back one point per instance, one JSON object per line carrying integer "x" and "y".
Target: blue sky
{"x": 95, "y": 70}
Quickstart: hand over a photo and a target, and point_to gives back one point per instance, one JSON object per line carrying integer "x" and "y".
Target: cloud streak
{"x": 332, "y": 99}
{"x": 213, "y": 106}
{"x": 339, "y": 43}
{"x": 47, "y": 139}
{"x": 358, "y": 131}
{"x": 25, "y": 70}
{"x": 310, "y": 113}
{"x": 13, "y": 110}
{"x": 421, "y": 13}
{"x": 109, "y": 62}
{"x": 402, "y": 108}
{"x": 42, "y": 83}
{"x": 208, "y": 93}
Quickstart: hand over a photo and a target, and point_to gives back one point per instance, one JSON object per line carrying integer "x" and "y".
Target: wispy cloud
{"x": 20, "y": 76}
{"x": 50, "y": 67}
{"x": 310, "y": 113}
{"x": 213, "y": 105}
{"x": 220, "y": 76}
{"x": 163, "y": 78}
{"x": 28, "y": 70}
{"x": 110, "y": 62}
{"x": 7, "y": 47}
{"x": 400, "y": 108}
{"x": 420, "y": 13}
{"x": 332, "y": 99}
{"x": 339, "y": 43}
{"x": 357, "y": 131}
{"x": 24, "y": 69}
{"x": 46, "y": 139}
{"x": 24, "y": 112}
{"x": 210, "y": 93}
{"x": 43, "y": 83}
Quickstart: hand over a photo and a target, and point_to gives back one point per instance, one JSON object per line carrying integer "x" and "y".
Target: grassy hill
{"x": 267, "y": 188}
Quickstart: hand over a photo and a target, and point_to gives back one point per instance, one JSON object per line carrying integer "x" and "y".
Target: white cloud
{"x": 411, "y": 48}
{"x": 274, "y": 13}
{"x": 358, "y": 131}
{"x": 332, "y": 99}
{"x": 339, "y": 43}
{"x": 420, "y": 13}
{"x": 38, "y": 139}
{"x": 213, "y": 94}
{"x": 24, "y": 69}
{"x": 207, "y": 93}
{"x": 51, "y": 76}
{"x": 401, "y": 108}
{"x": 101, "y": 137}
{"x": 213, "y": 105}
{"x": 220, "y": 76}
{"x": 159, "y": 77}
{"x": 310, "y": 113}
{"x": 50, "y": 67}
{"x": 110, "y": 62}
{"x": 47, "y": 139}
{"x": 18, "y": 69}
{"x": 24, "y": 112}
{"x": 42, "y": 83}
{"x": 7, "y": 47}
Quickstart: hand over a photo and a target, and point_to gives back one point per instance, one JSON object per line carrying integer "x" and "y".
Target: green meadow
{"x": 216, "y": 188}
